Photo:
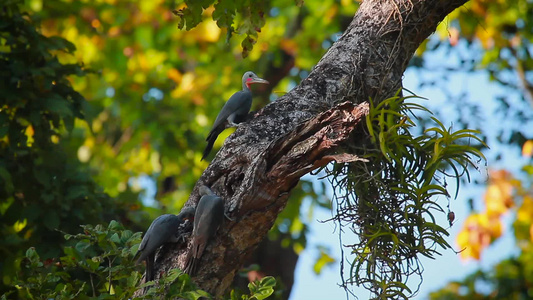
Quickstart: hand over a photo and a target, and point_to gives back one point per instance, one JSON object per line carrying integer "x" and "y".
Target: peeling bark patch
{"x": 307, "y": 143}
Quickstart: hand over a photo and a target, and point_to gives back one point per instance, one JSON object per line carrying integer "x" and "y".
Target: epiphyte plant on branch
{"x": 389, "y": 199}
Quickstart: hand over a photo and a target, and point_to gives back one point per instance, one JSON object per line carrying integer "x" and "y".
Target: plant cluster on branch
{"x": 389, "y": 199}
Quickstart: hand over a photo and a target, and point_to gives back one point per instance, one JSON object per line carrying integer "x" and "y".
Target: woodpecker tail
{"x": 150, "y": 267}
{"x": 191, "y": 265}
{"x": 211, "y": 138}
{"x": 139, "y": 260}
{"x": 194, "y": 256}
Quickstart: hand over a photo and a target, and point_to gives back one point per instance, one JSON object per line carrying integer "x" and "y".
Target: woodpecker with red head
{"x": 164, "y": 229}
{"x": 234, "y": 111}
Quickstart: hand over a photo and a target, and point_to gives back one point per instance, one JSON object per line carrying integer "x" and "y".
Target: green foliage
{"x": 252, "y": 18}
{"x": 259, "y": 290}
{"x": 43, "y": 187}
{"x": 389, "y": 201}
{"x": 99, "y": 265}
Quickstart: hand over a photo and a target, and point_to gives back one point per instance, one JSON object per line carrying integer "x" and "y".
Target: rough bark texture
{"x": 263, "y": 160}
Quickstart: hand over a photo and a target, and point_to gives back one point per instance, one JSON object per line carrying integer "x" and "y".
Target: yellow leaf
{"x": 29, "y": 132}
{"x": 494, "y": 229}
{"x": 36, "y": 5}
{"x": 477, "y": 233}
{"x": 187, "y": 82}
{"x": 19, "y": 225}
{"x": 499, "y": 194}
{"x": 485, "y": 36}
{"x": 96, "y": 23}
{"x": 155, "y": 162}
{"x": 28, "y": 234}
{"x": 175, "y": 75}
{"x": 496, "y": 198}
{"x": 478, "y": 8}
{"x": 290, "y": 46}
{"x": 298, "y": 248}
{"x": 527, "y": 149}
{"x": 468, "y": 240}
{"x": 525, "y": 213}
{"x": 114, "y": 31}
{"x": 331, "y": 13}
{"x": 211, "y": 31}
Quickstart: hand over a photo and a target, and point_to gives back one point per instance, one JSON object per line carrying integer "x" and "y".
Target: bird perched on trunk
{"x": 234, "y": 111}
{"x": 207, "y": 219}
{"x": 164, "y": 229}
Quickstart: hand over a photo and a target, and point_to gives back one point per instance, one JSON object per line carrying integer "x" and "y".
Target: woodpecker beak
{"x": 258, "y": 80}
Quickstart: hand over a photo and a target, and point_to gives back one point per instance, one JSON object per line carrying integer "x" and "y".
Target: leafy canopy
{"x": 43, "y": 187}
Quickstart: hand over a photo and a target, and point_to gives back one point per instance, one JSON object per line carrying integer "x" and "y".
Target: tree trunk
{"x": 263, "y": 160}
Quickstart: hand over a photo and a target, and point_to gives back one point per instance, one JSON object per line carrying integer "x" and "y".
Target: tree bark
{"x": 263, "y": 160}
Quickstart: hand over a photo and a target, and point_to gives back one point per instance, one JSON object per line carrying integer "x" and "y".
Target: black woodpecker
{"x": 164, "y": 229}
{"x": 234, "y": 111}
{"x": 207, "y": 219}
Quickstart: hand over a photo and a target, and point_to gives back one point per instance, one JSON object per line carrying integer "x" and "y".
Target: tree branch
{"x": 263, "y": 160}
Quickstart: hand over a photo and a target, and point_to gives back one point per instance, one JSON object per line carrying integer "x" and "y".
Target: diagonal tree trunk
{"x": 264, "y": 159}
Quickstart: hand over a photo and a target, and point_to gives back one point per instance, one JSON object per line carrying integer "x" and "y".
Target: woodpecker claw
{"x": 228, "y": 217}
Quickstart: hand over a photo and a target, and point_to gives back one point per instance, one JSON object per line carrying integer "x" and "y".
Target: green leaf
{"x": 42, "y": 176}
{"x": 114, "y": 225}
{"x": 32, "y": 256}
{"x": 6, "y": 179}
{"x": 247, "y": 45}
{"x": 224, "y": 13}
{"x": 197, "y": 294}
{"x": 83, "y": 245}
{"x": 115, "y": 238}
{"x": 58, "y": 105}
{"x": 93, "y": 264}
{"x": 59, "y": 43}
{"x": 262, "y": 289}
